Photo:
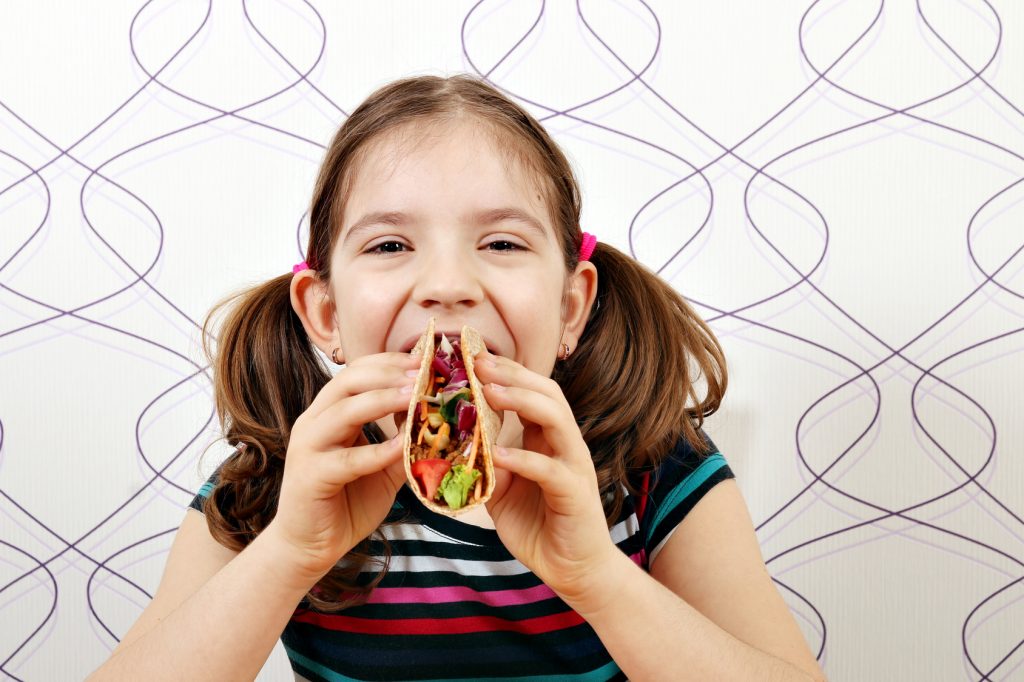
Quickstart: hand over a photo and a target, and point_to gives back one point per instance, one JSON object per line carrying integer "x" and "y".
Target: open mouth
{"x": 452, "y": 336}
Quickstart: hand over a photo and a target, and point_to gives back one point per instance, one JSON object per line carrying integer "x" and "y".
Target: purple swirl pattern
{"x": 835, "y": 185}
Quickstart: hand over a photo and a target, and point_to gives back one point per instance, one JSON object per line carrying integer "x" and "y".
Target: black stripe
{"x": 457, "y": 609}
{"x": 304, "y": 634}
{"x": 395, "y": 665}
{"x": 631, "y": 545}
{"x": 480, "y": 583}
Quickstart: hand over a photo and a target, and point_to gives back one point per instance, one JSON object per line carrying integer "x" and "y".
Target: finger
{"x": 396, "y": 470}
{"x": 554, "y": 417}
{"x": 364, "y": 374}
{"x": 342, "y": 422}
{"x": 508, "y": 372}
{"x": 554, "y": 479}
{"x": 342, "y": 466}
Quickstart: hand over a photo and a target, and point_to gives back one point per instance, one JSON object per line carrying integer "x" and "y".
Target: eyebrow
{"x": 484, "y": 217}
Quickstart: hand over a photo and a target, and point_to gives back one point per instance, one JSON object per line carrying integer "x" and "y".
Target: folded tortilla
{"x": 471, "y": 343}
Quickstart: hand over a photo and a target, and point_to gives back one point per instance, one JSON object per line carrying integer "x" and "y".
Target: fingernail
{"x": 496, "y": 387}
{"x": 412, "y": 373}
{"x": 406, "y": 389}
{"x": 490, "y": 363}
{"x": 502, "y": 452}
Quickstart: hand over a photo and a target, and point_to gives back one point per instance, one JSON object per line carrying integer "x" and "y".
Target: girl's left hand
{"x": 546, "y": 506}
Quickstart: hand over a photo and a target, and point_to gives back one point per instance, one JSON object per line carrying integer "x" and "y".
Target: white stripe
{"x": 625, "y": 529}
{"x": 415, "y": 531}
{"x": 420, "y": 564}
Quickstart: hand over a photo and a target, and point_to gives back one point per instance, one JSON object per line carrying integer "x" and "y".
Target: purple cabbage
{"x": 466, "y": 414}
{"x": 441, "y": 365}
{"x": 451, "y": 388}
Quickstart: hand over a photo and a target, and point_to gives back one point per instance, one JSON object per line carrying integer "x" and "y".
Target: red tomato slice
{"x": 429, "y": 473}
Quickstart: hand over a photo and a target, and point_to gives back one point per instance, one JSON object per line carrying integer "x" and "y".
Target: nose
{"x": 448, "y": 281}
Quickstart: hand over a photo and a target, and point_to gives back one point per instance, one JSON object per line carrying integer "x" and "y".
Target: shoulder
{"x": 712, "y": 559}
{"x": 673, "y": 489}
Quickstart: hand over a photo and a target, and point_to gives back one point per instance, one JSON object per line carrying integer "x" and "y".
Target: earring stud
{"x": 334, "y": 356}
{"x": 565, "y": 351}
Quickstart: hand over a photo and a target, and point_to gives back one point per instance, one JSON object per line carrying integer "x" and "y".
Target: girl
{"x": 616, "y": 544}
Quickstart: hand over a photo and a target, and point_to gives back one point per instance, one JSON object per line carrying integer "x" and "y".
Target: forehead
{"x": 454, "y": 167}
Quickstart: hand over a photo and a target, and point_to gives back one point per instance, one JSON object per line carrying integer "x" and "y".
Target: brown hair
{"x": 266, "y": 371}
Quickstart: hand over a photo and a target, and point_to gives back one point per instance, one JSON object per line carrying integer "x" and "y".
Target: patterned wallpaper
{"x": 836, "y": 187}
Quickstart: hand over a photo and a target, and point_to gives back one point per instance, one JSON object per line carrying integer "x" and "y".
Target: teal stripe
{"x": 205, "y": 490}
{"x": 603, "y": 673}
{"x": 713, "y": 463}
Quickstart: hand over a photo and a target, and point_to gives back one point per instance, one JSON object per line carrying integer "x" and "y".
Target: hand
{"x": 546, "y": 505}
{"x": 337, "y": 488}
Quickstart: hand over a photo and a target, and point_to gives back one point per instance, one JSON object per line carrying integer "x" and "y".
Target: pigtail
{"x": 265, "y": 374}
{"x": 632, "y": 380}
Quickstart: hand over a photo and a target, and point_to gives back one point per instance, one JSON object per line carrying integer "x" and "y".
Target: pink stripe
{"x": 440, "y": 595}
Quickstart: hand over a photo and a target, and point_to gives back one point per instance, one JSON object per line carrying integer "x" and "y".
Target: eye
{"x": 380, "y": 249}
{"x": 506, "y": 245}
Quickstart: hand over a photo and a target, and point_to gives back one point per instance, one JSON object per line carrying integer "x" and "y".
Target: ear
{"x": 316, "y": 310}
{"x": 581, "y": 297}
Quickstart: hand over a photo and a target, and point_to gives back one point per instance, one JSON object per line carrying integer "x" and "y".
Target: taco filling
{"x": 446, "y": 454}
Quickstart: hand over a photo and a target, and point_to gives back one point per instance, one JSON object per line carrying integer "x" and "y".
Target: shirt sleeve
{"x": 683, "y": 478}
{"x": 204, "y": 491}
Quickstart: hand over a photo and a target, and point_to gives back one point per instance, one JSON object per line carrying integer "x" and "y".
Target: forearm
{"x": 225, "y": 631}
{"x": 640, "y": 620}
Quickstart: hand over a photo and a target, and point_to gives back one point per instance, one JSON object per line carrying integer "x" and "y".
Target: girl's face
{"x": 438, "y": 227}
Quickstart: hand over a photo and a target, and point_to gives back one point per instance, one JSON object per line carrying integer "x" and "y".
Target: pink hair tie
{"x": 587, "y": 246}
{"x": 299, "y": 267}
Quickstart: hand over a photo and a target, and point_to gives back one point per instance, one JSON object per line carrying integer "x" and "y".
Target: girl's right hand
{"x": 337, "y": 488}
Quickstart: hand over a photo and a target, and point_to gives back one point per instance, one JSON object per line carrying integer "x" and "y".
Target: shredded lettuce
{"x": 455, "y": 486}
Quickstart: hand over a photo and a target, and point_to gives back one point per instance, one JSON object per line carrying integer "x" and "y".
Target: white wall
{"x": 859, "y": 261}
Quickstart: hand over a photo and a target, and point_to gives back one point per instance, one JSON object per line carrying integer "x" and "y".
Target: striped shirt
{"x": 456, "y": 605}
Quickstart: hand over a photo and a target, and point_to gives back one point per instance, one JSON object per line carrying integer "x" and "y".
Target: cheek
{"x": 361, "y": 295}
{"x": 364, "y": 314}
{"x": 538, "y": 325}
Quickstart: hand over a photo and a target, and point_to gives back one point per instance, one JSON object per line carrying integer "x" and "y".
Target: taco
{"x": 450, "y": 430}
